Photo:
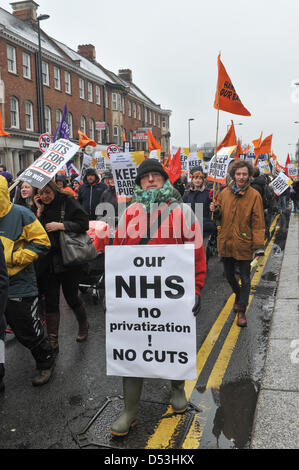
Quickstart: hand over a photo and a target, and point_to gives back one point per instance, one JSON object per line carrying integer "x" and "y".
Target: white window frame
{"x": 139, "y": 112}
{"x": 11, "y": 58}
{"x": 82, "y": 88}
{"x": 57, "y": 81}
{"x": 134, "y": 111}
{"x": 67, "y": 82}
{"x": 58, "y": 116}
{"x": 70, "y": 123}
{"x": 26, "y": 64}
{"x": 29, "y": 123}
{"x": 159, "y": 120}
{"x": 83, "y": 124}
{"x": 114, "y": 101}
{"x": 91, "y": 128}
{"x": 14, "y": 112}
{"x": 45, "y": 73}
{"x": 123, "y": 105}
{"x": 115, "y": 135}
{"x": 48, "y": 120}
{"x": 89, "y": 92}
{"x": 154, "y": 118}
{"x": 129, "y": 108}
{"x": 164, "y": 122}
{"x": 145, "y": 114}
{"x": 106, "y": 97}
{"x": 98, "y": 95}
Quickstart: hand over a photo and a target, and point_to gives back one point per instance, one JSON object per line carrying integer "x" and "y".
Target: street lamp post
{"x": 190, "y": 119}
{"x": 39, "y": 79}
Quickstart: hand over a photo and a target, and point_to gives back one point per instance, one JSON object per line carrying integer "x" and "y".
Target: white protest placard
{"x": 223, "y": 162}
{"x": 292, "y": 170}
{"x": 264, "y": 167}
{"x": 155, "y": 154}
{"x": 42, "y": 170}
{"x": 183, "y": 157}
{"x": 194, "y": 160}
{"x": 124, "y": 169}
{"x": 150, "y": 327}
{"x": 86, "y": 163}
{"x": 281, "y": 183}
{"x": 99, "y": 160}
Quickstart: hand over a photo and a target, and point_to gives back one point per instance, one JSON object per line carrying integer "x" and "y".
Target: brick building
{"x": 92, "y": 94}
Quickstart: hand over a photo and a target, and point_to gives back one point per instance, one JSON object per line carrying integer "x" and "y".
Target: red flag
{"x": 2, "y": 131}
{"x": 264, "y": 147}
{"x": 175, "y": 168}
{"x": 286, "y": 164}
{"x": 226, "y": 97}
{"x": 152, "y": 143}
{"x": 230, "y": 138}
{"x": 84, "y": 140}
{"x": 238, "y": 150}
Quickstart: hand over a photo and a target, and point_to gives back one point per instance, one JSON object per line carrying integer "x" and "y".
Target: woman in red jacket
{"x": 173, "y": 223}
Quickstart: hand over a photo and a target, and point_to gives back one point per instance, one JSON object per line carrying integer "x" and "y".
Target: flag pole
{"x": 217, "y": 132}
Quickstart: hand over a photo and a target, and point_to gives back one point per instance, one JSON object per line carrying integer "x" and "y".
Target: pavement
{"x": 277, "y": 413}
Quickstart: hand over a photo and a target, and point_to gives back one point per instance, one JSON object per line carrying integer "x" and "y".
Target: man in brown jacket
{"x": 239, "y": 209}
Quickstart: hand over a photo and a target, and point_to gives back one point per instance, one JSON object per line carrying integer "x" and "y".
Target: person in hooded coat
{"x": 24, "y": 240}
{"x": 89, "y": 193}
{"x": 3, "y": 302}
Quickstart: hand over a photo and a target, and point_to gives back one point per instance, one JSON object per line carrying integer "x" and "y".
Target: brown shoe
{"x": 241, "y": 321}
{"x": 81, "y": 316}
{"x": 43, "y": 377}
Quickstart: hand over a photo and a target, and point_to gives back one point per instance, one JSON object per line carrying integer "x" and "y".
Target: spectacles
{"x": 151, "y": 175}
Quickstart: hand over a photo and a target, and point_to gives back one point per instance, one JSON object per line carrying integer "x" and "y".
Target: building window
{"x": 145, "y": 114}
{"x": 98, "y": 95}
{"x": 107, "y": 133}
{"x": 106, "y": 98}
{"x": 89, "y": 92}
{"x": 114, "y": 101}
{"x": 154, "y": 119}
{"x": 150, "y": 116}
{"x": 134, "y": 111}
{"x": 29, "y": 116}
{"x": 48, "y": 126}
{"x": 99, "y": 136}
{"x": 139, "y": 112}
{"x": 11, "y": 59}
{"x": 57, "y": 84}
{"x": 81, "y": 89}
{"x": 164, "y": 126}
{"x": 45, "y": 73}
{"x": 129, "y": 108}
{"x": 70, "y": 123}
{"x": 58, "y": 117}
{"x": 123, "y": 105}
{"x": 83, "y": 124}
{"x": 14, "y": 112}
{"x": 67, "y": 82}
{"x": 159, "y": 121}
{"x": 115, "y": 135}
{"x": 26, "y": 65}
{"x": 91, "y": 129}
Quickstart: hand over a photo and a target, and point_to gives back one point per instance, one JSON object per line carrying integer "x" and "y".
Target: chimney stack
{"x": 125, "y": 74}
{"x": 25, "y": 11}
{"x": 88, "y": 51}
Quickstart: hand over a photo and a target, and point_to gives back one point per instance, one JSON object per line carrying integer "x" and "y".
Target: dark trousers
{"x": 23, "y": 318}
{"x": 50, "y": 287}
{"x": 242, "y": 292}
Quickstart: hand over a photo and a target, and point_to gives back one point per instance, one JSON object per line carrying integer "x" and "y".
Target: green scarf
{"x": 147, "y": 197}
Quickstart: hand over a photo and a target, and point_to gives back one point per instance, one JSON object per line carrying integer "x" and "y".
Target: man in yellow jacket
{"x": 239, "y": 209}
{"x": 24, "y": 240}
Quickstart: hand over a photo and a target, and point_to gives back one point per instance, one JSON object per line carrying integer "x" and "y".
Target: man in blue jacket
{"x": 3, "y": 302}
{"x": 90, "y": 192}
{"x": 24, "y": 240}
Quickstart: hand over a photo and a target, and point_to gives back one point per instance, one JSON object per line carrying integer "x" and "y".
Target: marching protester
{"x": 294, "y": 193}
{"x": 89, "y": 193}
{"x": 154, "y": 188}
{"x": 25, "y": 196}
{"x": 199, "y": 194}
{"x": 76, "y": 185}
{"x": 24, "y": 240}
{"x": 3, "y": 302}
{"x": 52, "y": 202}
{"x": 61, "y": 181}
{"x": 241, "y": 237}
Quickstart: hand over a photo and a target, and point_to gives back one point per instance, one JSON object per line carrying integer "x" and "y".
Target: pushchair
{"x": 93, "y": 274}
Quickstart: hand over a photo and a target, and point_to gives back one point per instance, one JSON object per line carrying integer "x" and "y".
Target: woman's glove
{"x": 197, "y": 306}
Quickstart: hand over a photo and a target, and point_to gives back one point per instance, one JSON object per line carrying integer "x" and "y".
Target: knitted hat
{"x": 107, "y": 174}
{"x": 91, "y": 171}
{"x": 7, "y": 175}
{"x": 150, "y": 165}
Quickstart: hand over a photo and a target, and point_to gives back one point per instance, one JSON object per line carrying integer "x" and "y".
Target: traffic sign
{"x": 44, "y": 142}
{"x": 112, "y": 149}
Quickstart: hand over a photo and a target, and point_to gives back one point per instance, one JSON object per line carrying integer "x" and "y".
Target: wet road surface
{"x": 76, "y": 408}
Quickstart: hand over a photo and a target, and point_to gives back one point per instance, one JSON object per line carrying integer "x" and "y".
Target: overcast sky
{"x": 171, "y": 46}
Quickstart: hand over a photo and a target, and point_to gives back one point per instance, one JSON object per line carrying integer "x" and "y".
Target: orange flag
{"x": 265, "y": 147}
{"x": 167, "y": 161}
{"x": 2, "y": 131}
{"x": 226, "y": 97}
{"x": 124, "y": 136}
{"x": 257, "y": 142}
{"x": 84, "y": 140}
{"x": 152, "y": 143}
{"x": 238, "y": 150}
{"x": 230, "y": 138}
{"x": 175, "y": 168}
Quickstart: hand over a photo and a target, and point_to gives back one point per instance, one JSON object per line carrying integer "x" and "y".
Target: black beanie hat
{"x": 150, "y": 165}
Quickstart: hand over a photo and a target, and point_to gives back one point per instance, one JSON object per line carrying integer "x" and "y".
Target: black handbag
{"x": 76, "y": 248}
